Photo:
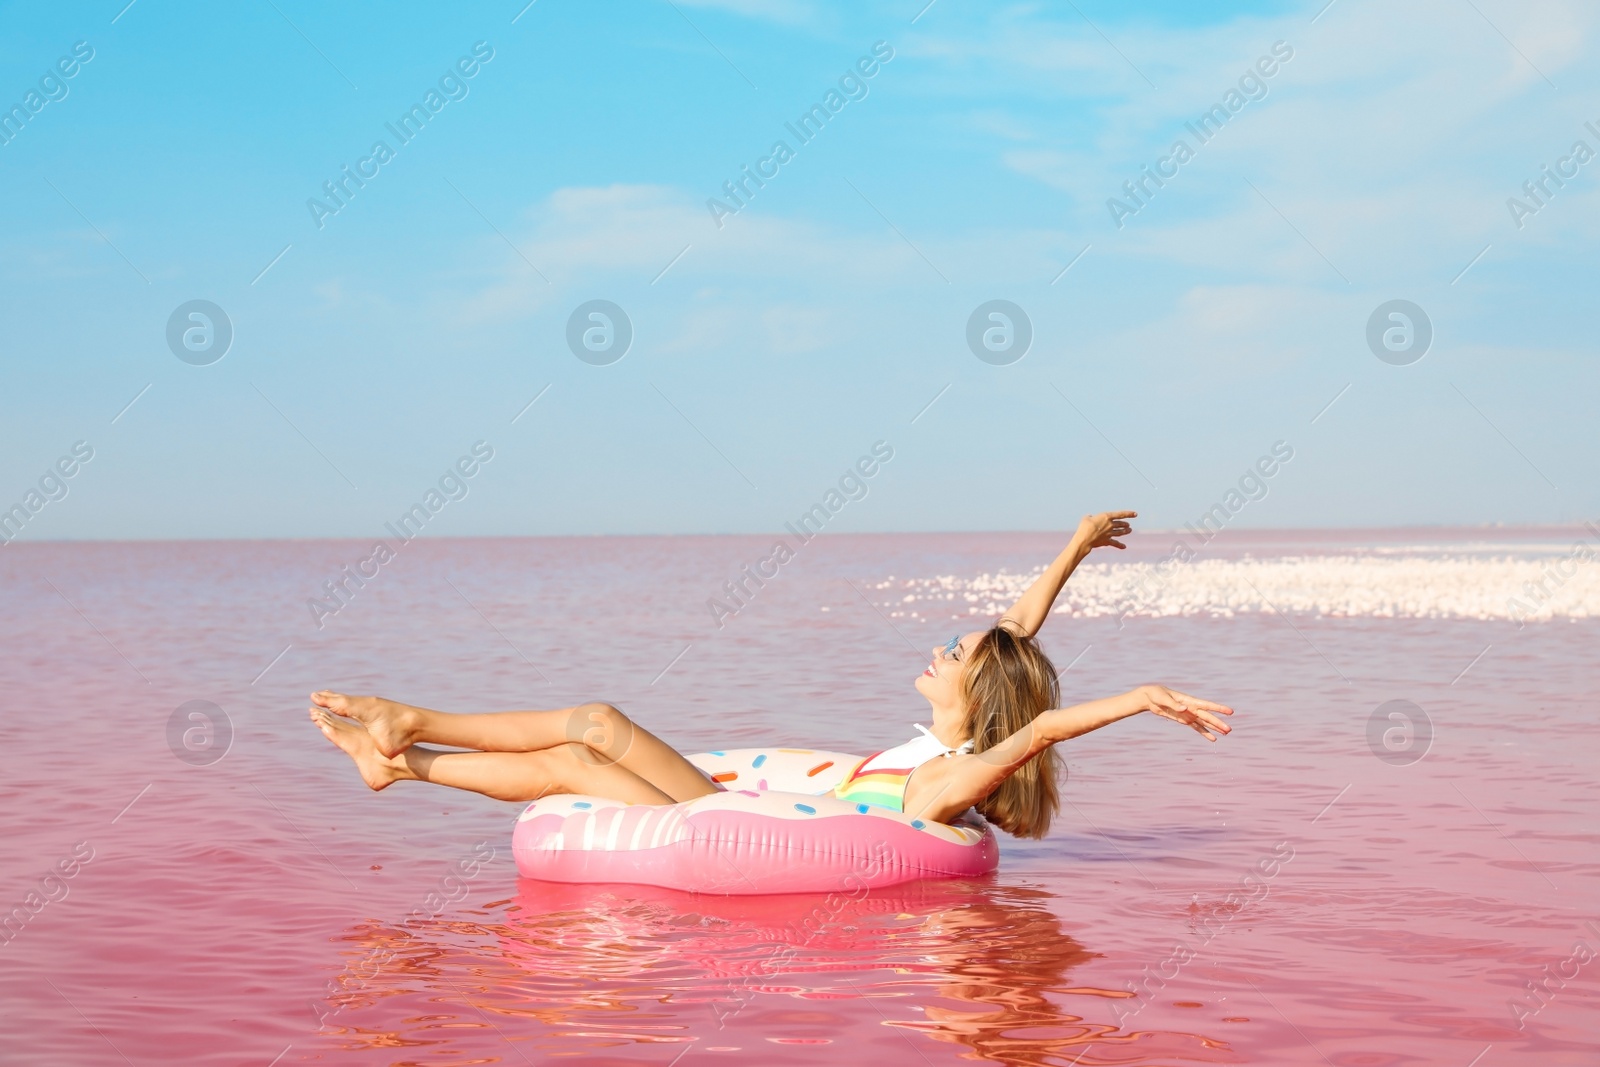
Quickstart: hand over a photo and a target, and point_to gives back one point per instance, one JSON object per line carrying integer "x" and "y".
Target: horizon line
{"x": 1063, "y": 532}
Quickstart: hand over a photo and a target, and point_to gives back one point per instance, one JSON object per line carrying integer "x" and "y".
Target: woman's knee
{"x": 601, "y": 728}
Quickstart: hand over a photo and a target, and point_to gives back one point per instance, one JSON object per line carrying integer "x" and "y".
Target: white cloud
{"x": 1384, "y": 139}
{"x": 629, "y": 233}
{"x": 1383, "y": 143}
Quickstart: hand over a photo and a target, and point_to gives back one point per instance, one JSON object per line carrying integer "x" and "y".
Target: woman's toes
{"x": 392, "y": 727}
{"x": 337, "y": 703}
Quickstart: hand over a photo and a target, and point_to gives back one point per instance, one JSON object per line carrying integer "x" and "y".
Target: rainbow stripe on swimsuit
{"x": 880, "y": 779}
{"x": 882, "y": 787}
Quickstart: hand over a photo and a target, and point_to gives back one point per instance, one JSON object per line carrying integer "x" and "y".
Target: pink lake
{"x": 1433, "y": 895}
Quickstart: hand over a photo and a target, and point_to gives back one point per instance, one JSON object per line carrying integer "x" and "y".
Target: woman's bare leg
{"x": 501, "y": 775}
{"x": 607, "y": 733}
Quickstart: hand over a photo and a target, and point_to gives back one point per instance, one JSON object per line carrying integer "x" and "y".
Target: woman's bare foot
{"x": 377, "y": 770}
{"x": 393, "y": 726}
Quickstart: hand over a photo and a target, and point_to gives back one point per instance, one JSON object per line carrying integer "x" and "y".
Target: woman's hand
{"x": 1199, "y": 715}
{"x": 1098, "y": 531}
{"x": 1031, "y": 609}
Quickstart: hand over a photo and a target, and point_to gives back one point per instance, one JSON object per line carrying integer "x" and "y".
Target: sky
{"x": 1359, "y": 153}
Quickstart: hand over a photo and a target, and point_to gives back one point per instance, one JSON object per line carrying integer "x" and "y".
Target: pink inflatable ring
{"x": 774, "y": 828}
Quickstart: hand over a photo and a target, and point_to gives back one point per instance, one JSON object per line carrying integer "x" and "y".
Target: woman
{"x": 993, "y": 694}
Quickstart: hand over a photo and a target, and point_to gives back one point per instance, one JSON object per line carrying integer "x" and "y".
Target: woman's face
{"x": 941, "y": 681}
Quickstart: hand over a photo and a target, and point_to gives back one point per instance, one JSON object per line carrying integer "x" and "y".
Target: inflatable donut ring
{"x": 774, "y": 827}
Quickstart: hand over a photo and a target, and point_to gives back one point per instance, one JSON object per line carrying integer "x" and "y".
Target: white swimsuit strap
{"x": 913, "y": 753}
{"x": 966, "y": 746}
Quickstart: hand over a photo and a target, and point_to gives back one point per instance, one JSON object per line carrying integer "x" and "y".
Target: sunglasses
{"x": 949, "y": 650}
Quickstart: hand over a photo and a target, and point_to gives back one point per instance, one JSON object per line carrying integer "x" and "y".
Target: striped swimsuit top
{"x": 880, "y": 780}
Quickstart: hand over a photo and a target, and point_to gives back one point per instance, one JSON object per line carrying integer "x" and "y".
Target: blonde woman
{"x": 993, "y": 696}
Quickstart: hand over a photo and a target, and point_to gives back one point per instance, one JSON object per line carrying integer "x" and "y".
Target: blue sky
{"x": 771, "y": 351}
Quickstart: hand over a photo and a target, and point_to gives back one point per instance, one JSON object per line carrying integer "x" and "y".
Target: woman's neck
{"x": 947, "y": 728}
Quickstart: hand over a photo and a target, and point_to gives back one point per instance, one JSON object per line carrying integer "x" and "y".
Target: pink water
{"x": 267, "y": 905}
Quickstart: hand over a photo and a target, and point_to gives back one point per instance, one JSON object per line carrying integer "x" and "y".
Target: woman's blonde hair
{"x": 1009, "y": 681}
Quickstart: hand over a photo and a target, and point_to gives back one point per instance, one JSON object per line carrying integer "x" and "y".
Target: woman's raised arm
{"x": 1095, "y": 531}
{"x": 973, "y": 777}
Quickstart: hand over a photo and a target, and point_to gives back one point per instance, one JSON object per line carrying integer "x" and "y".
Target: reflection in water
{"x": 566, "y": 970}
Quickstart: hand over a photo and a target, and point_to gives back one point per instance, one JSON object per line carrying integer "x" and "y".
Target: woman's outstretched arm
{"x": 1095, "y": 531}
{"x": 971, "y": 778}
